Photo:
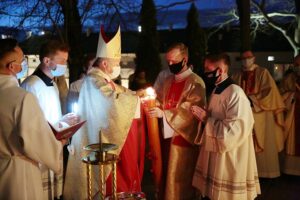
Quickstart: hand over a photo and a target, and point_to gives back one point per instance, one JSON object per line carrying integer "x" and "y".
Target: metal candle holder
{"x": 101, "y": 159}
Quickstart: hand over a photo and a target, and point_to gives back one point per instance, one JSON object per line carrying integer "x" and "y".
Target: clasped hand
{"x": 200, "y": 113}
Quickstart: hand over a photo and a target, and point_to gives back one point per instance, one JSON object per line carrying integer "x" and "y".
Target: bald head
{"x": 11, "y": 55}
{"x": 176, "y": 53}
{"x": 7, "y": 50}
{"x": 247, "y": 54}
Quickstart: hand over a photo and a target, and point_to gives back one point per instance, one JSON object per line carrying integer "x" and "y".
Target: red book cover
{"x": 66, "y": 133}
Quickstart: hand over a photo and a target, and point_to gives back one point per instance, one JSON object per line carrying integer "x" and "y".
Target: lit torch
{"x": 153, "y": 134}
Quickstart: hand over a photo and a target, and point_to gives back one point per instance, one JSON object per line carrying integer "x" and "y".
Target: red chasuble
{"x": 130, "y": 166}
{"x": 248, "y": 81}
{"x": 171, "y": 102}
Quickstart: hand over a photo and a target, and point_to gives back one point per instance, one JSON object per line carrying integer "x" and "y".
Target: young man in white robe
{"x": 25, "y": 136}
{"x": 53, "y": 58}
{"x": 226, "y": 167}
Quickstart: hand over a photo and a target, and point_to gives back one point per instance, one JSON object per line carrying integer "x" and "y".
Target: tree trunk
{"x": 147, "y": 53}
{"x": 72, "y": 36}
{"x": 244, "y": 14}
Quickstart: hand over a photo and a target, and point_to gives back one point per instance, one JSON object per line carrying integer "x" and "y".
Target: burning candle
{"x": 153, "y": 135}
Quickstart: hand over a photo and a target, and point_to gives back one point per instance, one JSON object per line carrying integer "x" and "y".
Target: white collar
{"x": 100, "y": 72}
{"x": 8, "y": 81}
{"x": 183, "y": 75}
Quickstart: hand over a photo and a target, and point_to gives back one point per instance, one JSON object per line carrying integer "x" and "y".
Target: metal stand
{"x": 101, "y": 158}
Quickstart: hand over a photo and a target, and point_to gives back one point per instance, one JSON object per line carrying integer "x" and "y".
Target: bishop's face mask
{"x": 212, "y": 77}
{"x": 177, "y": 67}
{"x": 116, "y": 72}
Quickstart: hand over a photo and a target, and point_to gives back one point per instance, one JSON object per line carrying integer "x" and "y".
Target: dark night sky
{"x": 210, "y": 12}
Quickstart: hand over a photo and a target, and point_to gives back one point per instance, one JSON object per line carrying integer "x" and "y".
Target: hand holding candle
{"x": 153, "y": 134}
{"x": 155, "y": 112}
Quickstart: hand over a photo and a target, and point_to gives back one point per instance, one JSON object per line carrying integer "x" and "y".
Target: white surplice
{"x": 25, "y": 140}
{"x": 48, "y": 98}
{"x": 226, "y": 167}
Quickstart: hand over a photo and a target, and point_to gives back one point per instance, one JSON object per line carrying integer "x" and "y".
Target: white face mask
{"x": 248, "y": 62}
{"x": 59, "y": 71}
{"x": 116, "y": 72}
{"x": 24, "y": 70}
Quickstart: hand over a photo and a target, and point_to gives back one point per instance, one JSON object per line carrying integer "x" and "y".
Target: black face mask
{"x": 211, "y": 77}
{"x": 176, "y": 68}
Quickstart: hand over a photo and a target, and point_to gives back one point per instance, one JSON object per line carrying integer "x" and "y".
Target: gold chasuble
{"x": 105, "y": 106}
{"x": 177, "y": 98}
{"x": 268, "y": 109}
{"x": 291, "y": 94}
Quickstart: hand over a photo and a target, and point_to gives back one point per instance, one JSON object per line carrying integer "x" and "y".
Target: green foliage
{"x": 147, "y": 54}
{"x": 196, "y": 40}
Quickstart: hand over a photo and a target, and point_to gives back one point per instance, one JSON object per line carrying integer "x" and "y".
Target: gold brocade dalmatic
{"x": 109, "y": 107}
{"x": 291, "y": 95}
{"x": 268, "y": 112}
{"x": 182, "y": 159}
{"x": 265, "y": 97}
{"x": 180, "y": 118}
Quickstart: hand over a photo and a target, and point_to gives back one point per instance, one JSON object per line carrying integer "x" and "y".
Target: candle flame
{"x": 150, "y": 93}
{"x": 75, "y": 107}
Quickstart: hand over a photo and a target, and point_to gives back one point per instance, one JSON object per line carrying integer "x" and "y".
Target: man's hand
{"x": 141, "y": 92}
{"x": 70, "y": 119}
{"x": 200, "y": 113}
{"x": 64, "y": 141}
{"x": 155, "y": 112}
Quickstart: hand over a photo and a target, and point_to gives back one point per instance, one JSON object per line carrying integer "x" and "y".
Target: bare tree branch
{"x": 235, "y": 17}
{"x": 119, "y": 14}
{"x": 174, "y": 4}
{"x": 276, "y": 26}
{"x": 54, "y": 20}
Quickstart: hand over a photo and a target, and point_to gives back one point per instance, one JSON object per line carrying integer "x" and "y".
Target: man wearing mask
{"x": 115, "y": 111}
{"x": 267, "y": 107}
{"x": 180, "y": 91}
{"x": 53, "y": 58}
{"x": 25, "y": 136}
{"x": 226, "y": 167}
{"x": 290, "y": 89}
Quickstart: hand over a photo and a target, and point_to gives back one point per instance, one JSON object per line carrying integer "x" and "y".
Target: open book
{"x": 65, "y": 132}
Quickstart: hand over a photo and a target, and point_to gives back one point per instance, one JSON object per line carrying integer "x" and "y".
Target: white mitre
{"x": 109, "y": 48}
